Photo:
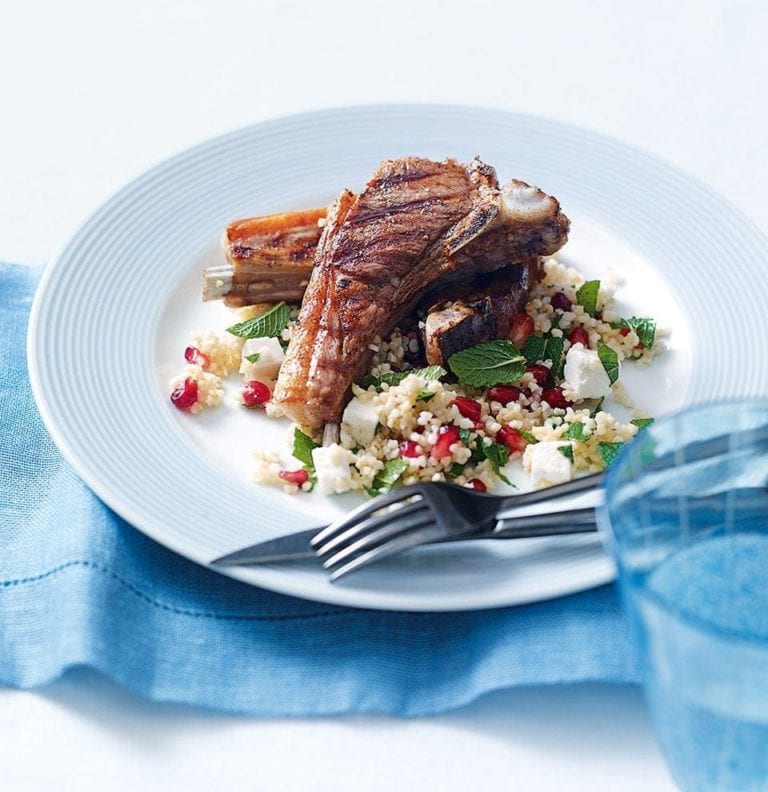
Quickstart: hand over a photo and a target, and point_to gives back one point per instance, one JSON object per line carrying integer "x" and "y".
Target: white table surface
{"x": 94, "y": 93}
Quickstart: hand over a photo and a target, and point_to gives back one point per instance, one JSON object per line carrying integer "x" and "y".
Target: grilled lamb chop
{"x": 480, "y": 312}
{"x": 270, "y": 259}
{"x": 416, "y": 226}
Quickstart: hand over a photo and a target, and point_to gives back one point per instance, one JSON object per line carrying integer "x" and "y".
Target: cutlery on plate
{"x": 429, "y": 513}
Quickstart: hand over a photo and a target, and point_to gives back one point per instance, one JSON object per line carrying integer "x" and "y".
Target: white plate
{"x": 113, "y": 312}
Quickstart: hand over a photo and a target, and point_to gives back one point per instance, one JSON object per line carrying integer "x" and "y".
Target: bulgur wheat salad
{"x": 536, "y": 396}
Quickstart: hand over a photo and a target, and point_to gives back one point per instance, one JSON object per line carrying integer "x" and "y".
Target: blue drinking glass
{"x": 686, "y": 519}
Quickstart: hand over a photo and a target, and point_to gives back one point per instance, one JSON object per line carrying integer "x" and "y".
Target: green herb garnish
{"x": 429, "y": 373}
{"x": 454, "y": 471}
{"x": 464, "y": 435}
{"x": 388, "y": 476}
{"x": 641, "y": 423}
{"x": 608, "y": 451}
{"x": 494, "y": 363}
{"x": 267, "y": 325}
{"x": 303, "y": 446}
{"x": 538, "y": 349}
{"x": 528, "y": 437}
{"x": 253, "y": 358}
{"x": 610, "y": 361}
{"x": 576, "y": 432}
{"x": 644, "y": 327}
{"x": 425, "y": 396}
{"x": 497, "y": 454}
{"x": 566, "y": 451}
{"x": 586, "y": 296}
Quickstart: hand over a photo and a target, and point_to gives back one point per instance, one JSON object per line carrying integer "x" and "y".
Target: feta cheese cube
{"x": 359, "y": 422}
{"x": 584, "y": 374}
{"x": 546, "y": 464}
{"x": 332, "y": 468}
{"x": 270, "y": 359}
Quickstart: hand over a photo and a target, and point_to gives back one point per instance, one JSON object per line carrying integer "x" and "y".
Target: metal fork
{"x": 435, "y": 511}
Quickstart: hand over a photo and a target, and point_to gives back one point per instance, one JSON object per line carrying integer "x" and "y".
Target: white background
{"x": 92, "y": 94}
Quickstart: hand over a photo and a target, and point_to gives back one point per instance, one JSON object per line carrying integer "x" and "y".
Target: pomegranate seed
{"x": 255, "y": 393}
{"x": 624, "y": 331}
{"x": 294, "y": 476}
{"x": 195, "y": 356}
{"x": 410, "y": 448}
{"x": 579, "y": 336}
{"x": 503, "y": 393}
{"x": 540, "y": 373}
{"x": 554, "y": 397}
{"x": 469, "y": 408}
{"x": 520, "y": 328}
{"x": 477, "y": 485}
{"x": 446, "y": 437}
{"x": 560, "y": 301}
{"x": 185, "y": 396}
{"x": 511, "y": 438}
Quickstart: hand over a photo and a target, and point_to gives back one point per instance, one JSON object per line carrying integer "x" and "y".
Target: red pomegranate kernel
{"x": 540, "y": 373}
{"x": 197, "y": 357}
{"x": 512, "y": 439}
{"x": 469, "y": 408}
{"x": 185, "y": 396}
{"x": 560, "y": 301}
{"x": 255, "y": 394}
{"x": 503, "y": 393}
{"x": 579, "y": 336}
{"x": 477, "y": 485}
{"x": 294, "y": 476}
{"x": 624, "y": 331}
{"x": 446, "y": 437}
{"x": 520, "y": 328}
{"x": 555, "y": 397}
{"x": 410, "y": 448}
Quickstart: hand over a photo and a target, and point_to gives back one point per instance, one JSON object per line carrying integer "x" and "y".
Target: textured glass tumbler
{"x": 686, "y": 518}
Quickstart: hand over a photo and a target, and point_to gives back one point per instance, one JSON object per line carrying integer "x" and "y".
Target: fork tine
{"x": 379, "y": 536}
{"x": 363, "y": 510}
{"x": 367, "y": 525}
{"x": 389, "y": 548}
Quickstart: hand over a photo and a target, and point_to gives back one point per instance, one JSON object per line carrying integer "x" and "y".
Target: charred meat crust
{"x": 416, "y": 225}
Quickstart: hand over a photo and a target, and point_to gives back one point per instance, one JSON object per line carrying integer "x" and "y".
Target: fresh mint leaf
{"x": 576, "y": 432}
{"x": 389, "y": 475}
{"x": 644, "y": 327}
{"x": 464, "y": 435}
{"x": 497, "y": 454}
{"x": 608, "y": 451}
{"x": 610, "y": 361}
{"x": 528, "y": 437}
{"x": 454, "y": 471}
{"x": 266, "y": 325}
{"x": 641, "y": 423}
{"x": 253, "y": 358}
{"x": 303, "y": 446}
{"x": 493, "y": 363}
{"x": 566, "y": 451}
{"x": 537, "y": 349}
{"x": 425, "y": 396}
{"x": 429, "y": 373}
{"x": 586, "y": 296}
{"x": 556, "y": 319}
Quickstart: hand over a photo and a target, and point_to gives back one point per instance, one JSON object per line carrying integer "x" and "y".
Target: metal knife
{"x": 296, "y": 546}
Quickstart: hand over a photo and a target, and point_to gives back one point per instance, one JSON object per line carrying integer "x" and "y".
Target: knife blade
{"x": 296, "y": 546}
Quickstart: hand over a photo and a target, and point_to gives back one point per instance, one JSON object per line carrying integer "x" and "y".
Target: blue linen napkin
{"x": 79, "y": 586}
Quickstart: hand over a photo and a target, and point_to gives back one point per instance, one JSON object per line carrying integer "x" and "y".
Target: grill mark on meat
{"x": 388, "y": 246}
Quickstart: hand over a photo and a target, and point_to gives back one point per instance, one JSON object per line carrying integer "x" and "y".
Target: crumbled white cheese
{"x": 585, "y": 377}
{"x": 268, "y": 364}
{"x": 359, "y": 422}
{"x": 546, "y": 464}
{"x": 332, "y": 468}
